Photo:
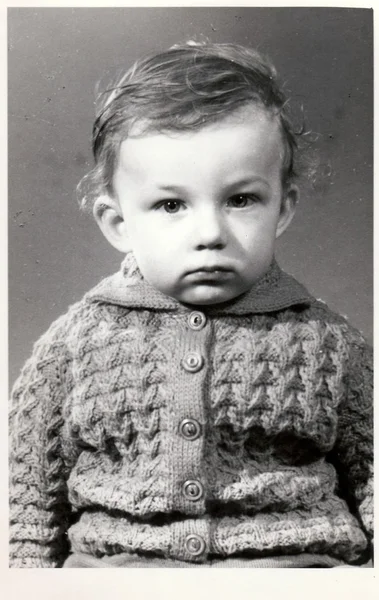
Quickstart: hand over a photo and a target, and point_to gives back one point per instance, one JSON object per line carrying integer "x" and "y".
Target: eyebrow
{"x": 178, "y": 189}
{"x": 249, "y": 180}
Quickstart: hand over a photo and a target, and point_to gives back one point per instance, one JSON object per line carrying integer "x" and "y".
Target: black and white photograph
{"x": 190, "y": 214}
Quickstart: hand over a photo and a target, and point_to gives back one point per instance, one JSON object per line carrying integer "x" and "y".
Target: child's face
{"x": 201, "y": 211}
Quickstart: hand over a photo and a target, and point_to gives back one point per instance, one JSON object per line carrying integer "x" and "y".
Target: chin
{"x": 208, "y": 297}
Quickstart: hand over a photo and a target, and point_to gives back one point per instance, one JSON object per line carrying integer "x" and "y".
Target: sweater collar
{"x": 276, "y": 290}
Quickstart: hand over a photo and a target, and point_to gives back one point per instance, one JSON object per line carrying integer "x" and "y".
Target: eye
{"x": 242, "y": 200}
{"x": 171, "y": 206}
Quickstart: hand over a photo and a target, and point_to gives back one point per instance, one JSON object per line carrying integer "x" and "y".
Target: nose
{"x": 210, "y": 231}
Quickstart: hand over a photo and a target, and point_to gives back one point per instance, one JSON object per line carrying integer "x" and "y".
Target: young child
{"x": 199, "y": 408}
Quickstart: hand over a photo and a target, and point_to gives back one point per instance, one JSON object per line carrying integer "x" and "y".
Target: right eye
{"x": 171, "y": 206}
{"x": 243, "y": 200}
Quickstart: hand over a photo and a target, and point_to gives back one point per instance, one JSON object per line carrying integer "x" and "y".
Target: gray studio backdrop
{"x": 56, "y": 56}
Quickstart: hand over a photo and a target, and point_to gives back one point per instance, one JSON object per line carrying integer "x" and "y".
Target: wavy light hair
{"x": 183, "y": 89}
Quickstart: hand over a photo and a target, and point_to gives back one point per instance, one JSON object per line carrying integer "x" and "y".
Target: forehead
{"x": 249, "y": 138}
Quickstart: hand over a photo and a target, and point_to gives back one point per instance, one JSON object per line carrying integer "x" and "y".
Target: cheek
{"x": 161, "y": 232}
{"x": 151, "y": 244}
{"x": 257, "y": 232}
{"x": 141, "y": 230}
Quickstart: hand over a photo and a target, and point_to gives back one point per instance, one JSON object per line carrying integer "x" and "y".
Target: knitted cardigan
{"x": 141, "y": 425}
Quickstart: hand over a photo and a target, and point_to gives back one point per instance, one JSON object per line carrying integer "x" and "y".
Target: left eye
{"x": 170, "y": 206}
{"x": 242, "y": 200}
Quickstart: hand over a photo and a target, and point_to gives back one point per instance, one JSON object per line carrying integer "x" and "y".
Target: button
{"x": 195, "y": 544}
{"x": 196, "y": 320}
{"x": 193, "y": 362}
{"x": 190, "y": 429}
{"x": 192, "y": 489}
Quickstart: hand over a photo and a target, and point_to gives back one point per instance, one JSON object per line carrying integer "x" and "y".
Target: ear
{"x": 287, "y": 209}
{"x": 108, "y": 216}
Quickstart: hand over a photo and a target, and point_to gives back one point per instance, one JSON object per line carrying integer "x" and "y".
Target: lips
{"x": 215, "y": 273}
{"x": 212, "y": 269}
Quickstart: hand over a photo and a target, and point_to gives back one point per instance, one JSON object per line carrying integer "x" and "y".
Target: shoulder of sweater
{"x": 321, "y": 312}
{"x": 53, "y": 340}
{"x": 52, "y": 347}
{"x": 49, "y": 346}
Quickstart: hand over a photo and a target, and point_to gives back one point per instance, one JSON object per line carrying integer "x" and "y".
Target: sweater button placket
{"x": 190, "y": 488}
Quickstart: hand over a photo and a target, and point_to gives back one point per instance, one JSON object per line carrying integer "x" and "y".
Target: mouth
{"x": 210, "y": 274}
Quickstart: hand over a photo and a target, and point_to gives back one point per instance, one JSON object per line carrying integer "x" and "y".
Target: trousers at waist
{"x": 126, "y": 560}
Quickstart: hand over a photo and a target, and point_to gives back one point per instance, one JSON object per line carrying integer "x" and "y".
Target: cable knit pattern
{"x": 144, "y": 426}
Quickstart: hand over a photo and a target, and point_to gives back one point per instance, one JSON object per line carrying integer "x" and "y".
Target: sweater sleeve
{"x": 353, "y": 452}
{"x": 39, "y": 511}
